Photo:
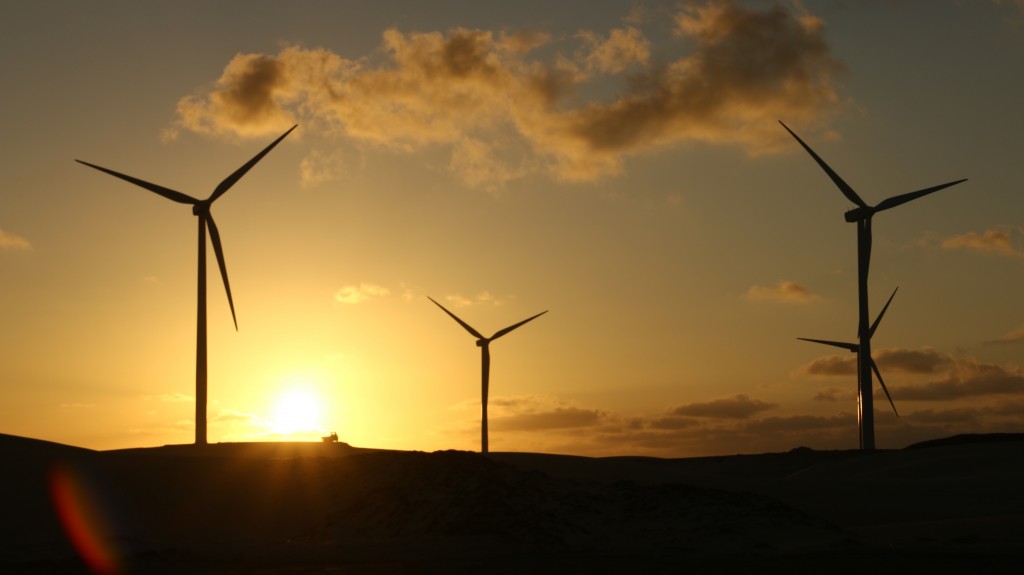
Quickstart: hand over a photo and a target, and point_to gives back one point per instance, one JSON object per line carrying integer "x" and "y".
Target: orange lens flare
{"x": 82, "y": 522}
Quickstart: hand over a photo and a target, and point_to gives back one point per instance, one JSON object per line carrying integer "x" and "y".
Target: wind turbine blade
{"x": 165, "y": 192}
{"x": 842, "y": 185}
{"x": 230, "y": 180}
{"x": 874, "y": 326}
{"x": 904, "y": 198}
{"x": 219, "y": 251}
{"x": 849, "y": 346}
{"x": 468, "y": 327}
{"x": 502, "y": 332}
{"x": 878, "y": 374}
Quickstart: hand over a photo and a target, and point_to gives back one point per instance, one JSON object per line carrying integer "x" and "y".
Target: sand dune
{"x": 312, "y": 507}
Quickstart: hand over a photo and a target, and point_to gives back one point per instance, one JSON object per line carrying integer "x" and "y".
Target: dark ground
{"x": 950, "y": 506}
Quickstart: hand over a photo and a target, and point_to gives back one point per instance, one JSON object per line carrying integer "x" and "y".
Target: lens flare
{"x": 83, "y": 523}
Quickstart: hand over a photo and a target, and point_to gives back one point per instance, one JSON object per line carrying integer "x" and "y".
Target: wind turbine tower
{"x": 201, "y": 209}
{"x": 485, "y": 357}
{"x": 861, "y": 215}
{"x": 855, "y": 348}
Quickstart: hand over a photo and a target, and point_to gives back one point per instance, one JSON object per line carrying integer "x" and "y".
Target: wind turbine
{"x": 855, "y": 348}
{"x": 861, "y": 215}
{"x": 483, "y": 343}
{"x": 201, "y": 209}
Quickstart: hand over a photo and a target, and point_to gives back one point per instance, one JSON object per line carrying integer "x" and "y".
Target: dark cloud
{"x": 559, "y": 418}
{"x": 912, "y": 360}
{"x": 740, "y": 406}
{"x": 944, "y": 416}
{"x": 673, "y": 423}
{"x": 795, "y": 423}
{"x": 832, "y": 365}
{"x": 835, "y": 394}
{"x": 966, "y": 379}
{"x": 505, "y": 109}
{"x": 918, "y": 361}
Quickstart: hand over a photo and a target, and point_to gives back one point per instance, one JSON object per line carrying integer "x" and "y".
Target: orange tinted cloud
{"x": 992, "y": 242}
{"x": 9, "y": 241}
{"x": 504, "y": 109}
{"x": 784, "y": 291}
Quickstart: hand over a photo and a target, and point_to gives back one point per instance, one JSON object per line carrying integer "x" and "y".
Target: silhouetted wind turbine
{"x": 855, "y": 348}
{"x": 485, "y": 354}
{"x": 861, "y": 215}
{"x": 201, "y": 209}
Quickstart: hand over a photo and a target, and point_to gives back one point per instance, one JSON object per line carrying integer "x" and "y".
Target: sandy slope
{"x": 298, "y": 508}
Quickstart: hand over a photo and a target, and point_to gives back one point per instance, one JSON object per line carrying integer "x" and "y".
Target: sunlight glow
{"x": 296, "y": 410}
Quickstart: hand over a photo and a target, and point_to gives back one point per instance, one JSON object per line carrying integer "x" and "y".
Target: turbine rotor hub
{"x": 859, "y": 213}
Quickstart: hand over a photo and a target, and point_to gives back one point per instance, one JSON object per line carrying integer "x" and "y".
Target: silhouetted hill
{"x": 968, "y": 438}
{"x": 311, "y": 507}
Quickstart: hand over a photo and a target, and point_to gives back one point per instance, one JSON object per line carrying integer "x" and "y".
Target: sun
{"x": 296, "y": 410}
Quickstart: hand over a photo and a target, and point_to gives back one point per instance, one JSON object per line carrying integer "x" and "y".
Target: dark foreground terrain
{"x": 951, "y": 506}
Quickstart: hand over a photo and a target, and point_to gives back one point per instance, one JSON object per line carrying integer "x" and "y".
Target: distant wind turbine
{"x": 201, "y": 209}
{"x": 861, "y": 215}
{"x": 855, "y": 348}
{"x": 483, "y": 343}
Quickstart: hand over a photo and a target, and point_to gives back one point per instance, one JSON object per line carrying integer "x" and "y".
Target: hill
{"x": 310, "y": 507}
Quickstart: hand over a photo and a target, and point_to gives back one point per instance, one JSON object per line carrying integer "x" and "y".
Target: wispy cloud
{"x": 505, "y": 108}
{"x": 169, "y": 397}
{"x": 353, "y": 294}
{"x": 13, "y": 242}
{"x": 1014, "y": 336}
{"x": 784, "y": 291}
{"x": 997, "y": 242}
{"x": 483, "y": 298}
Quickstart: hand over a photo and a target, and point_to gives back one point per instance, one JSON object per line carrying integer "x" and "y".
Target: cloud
{"x": 798, "y": 423}
{"x": 784, "y": 291}
{"x": 965, "y": 379}
{"x": 1014, "y": 336}
{"x": 996, "y": 242}
{"x": 832, "y": 365}
{"x": 357, "y": 294}
{"x": 623, "y": 48}
{"x": 960, "y": 376}
{"x": 558, "y": 418}
{"x": 835, "y": 394}
{"x": 503, "y": 108}
{"x": 230, "y": 416}
{"x": 169, "y": 397}
{"x": 917, "y": 361}
{"x": 13, "y": 242}
{"x": 321, "y": 167}
{"x": 912, "y": 360}
{"x": 739, "y": 406}
{"x": 484, "y": 297}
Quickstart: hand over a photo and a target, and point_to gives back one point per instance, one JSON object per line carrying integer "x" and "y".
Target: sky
{"x": 619, "y": 164}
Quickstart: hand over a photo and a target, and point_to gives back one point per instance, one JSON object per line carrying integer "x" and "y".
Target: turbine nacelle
{"x": 859, "y": 213}
{"x": 201, "y": 208}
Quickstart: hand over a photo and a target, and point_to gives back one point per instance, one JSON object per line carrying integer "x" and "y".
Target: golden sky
{"x": 617, "y": 163}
